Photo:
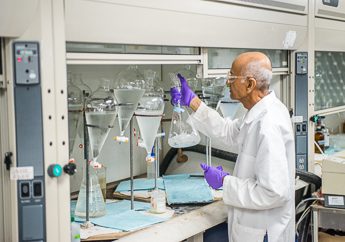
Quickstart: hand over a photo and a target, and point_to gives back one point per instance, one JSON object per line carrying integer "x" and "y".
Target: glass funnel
{"x": 189, "y": 76}
{"x": 85, "y": 90}
{"x": 150, "y": 111}
{"x": 75, "y": 111}
{"x": 129, "y": 87}
{"x": 227, "y": 105}
{"x": 182, "y": 134}
{"x": 100, "y": 116}
{"x": 96, "y": 201}
{"x": 213, "y": 90}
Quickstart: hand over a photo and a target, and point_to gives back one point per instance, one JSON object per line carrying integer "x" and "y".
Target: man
{"x": 260, "y": 193}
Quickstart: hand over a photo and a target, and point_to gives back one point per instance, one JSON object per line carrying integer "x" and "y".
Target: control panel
{"x": 29, "y": 140}
{"x": 301, "y": 109}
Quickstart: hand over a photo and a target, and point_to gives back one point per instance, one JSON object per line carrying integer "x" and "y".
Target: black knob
{"x": 70, "y": 168}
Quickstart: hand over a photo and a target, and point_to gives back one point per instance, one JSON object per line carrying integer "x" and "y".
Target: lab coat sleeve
{"x": 270, "y": 186}
{"x": 210, "y": 123}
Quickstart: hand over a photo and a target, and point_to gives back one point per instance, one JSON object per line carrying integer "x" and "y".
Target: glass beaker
{"x": 96, "y": 201}
{"x": 182, "y": 134}
{"x": 75, "y": 110}
{"x": 101, "y": 174}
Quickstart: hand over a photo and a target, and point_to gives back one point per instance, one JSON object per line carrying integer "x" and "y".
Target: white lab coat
{"x": 260, "y": 193}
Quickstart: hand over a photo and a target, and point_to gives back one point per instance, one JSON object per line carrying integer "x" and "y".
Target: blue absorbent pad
{"x": 120, "y": 216}
{"x": 147, "y": 184}
{"x": 182, "y": 189}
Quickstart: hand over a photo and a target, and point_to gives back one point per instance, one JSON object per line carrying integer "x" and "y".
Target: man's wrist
{"x": 195, "y": 103}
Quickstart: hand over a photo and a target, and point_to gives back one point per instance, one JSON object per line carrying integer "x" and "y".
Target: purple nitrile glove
{"x": 186, "y": 93}
{"x": 175, "y": 95}
{"x": 214, "y": 176}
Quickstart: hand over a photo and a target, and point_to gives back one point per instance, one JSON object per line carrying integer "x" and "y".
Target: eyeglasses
{"x": 231, "y": 77}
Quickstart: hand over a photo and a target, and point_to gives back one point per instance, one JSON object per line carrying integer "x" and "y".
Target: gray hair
{"x": 258, "y": 71}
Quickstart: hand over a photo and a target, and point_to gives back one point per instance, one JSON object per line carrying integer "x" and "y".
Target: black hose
{"x": 199, "y": 149}
{"x": 309, "y": 177}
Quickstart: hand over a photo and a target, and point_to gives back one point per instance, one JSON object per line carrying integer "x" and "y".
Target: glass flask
{"x": 129, "y": 87}
{"x": 189, "y": 76}
{"x": 96, "y": 201}
{"x": 75, "y": 111}
{"x": 77, "y": 80}
{"x": 100, "y": 114}
{"x": 150, "y": 111}
{"x": 182, "y": 134}
{"x": 213, "y": 90}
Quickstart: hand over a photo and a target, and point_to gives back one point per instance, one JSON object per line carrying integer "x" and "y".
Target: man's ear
{"x": 251, "y": 84}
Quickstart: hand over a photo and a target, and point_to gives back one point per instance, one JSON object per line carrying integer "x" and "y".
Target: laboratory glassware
{"x": 96, "y": 201}
{"x": 100, "y": 114}
{"x": 213, "y": 90}
{"x": 129, "y": 87}
{"x": 182, "y": 133}
{"x": 227, "y": 105}
{"x": 150, "y": 112}
{"x": 102, "y": 179}
{"x": 86, "y": 91}
{"x": 75, "y": 111}
{"x": 189, "y": 76}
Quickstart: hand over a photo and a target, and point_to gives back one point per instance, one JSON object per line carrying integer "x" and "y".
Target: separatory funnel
{"x": 96, "y": 201}
{"x": 129, "y": 87}
{"x": 189, "y": 76}
{"x": 150, "y": 112}
{"x": 227, "y": 105}
{"x": 85, "y": 90}
{"x": 75, "y": 111}
{"x": 182, "y": 134}
{"x": 213, "y": 92}
{"x": 100, "y": 116}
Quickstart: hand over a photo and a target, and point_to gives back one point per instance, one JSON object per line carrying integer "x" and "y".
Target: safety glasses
{"x": 231, "y": 77}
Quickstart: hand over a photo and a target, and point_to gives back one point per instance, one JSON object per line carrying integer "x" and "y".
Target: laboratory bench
{"x": 327, "y": 218}
{"x": 188, "y": 223}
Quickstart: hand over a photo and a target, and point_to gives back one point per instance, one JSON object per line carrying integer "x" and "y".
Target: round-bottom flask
{"x": 96, "y": 200}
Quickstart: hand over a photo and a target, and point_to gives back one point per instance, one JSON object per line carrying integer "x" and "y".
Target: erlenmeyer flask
{"x": 129, "y": 87}
{"x": 75, "y": 111}
{"x": 189, "y": 76}
{"x": 150, "y": 111}
{"x": 100, "y": 116}
{"x": 96, "y": 200}
{"x": 77, "y": 80}
{"x": 182, "y": 134}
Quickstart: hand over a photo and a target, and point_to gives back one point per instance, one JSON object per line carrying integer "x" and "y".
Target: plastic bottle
{"x": 158, "y": 201}
{"x": 75, "y": 231}
{"x": 320, "y": 139}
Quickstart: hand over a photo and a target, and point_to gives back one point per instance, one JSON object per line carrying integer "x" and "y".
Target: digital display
{"x": 26, "y": 52}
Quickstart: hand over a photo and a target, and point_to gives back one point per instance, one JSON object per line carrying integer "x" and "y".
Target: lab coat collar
{"x": 259, "y": 107}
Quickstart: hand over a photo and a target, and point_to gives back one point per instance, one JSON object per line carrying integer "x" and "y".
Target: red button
{"x": 19, "y": 59}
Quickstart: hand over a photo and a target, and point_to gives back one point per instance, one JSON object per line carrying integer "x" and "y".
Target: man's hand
{"x": 214, "y": 176}
{"x": 186, "y": 94}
